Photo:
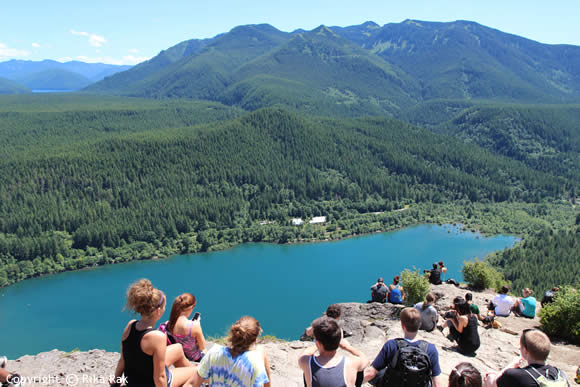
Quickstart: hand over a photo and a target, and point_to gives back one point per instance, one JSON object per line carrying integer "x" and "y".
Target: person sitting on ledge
{"x": 329, "y": 368}
{"x": 379, "y": 291}
{"x": 549, "y": 296}
{"x": 463, "y": 329}
{"x": 434, "y": 275}
{"x": 428, "y": 312}
{"x": 396, "y": 292}
{"x": 472, "y": 307}
{"x": 443, "y": 269}
{"x": 530, "y": 369}
{"x": 145, "y": 355}
{"x": 502, "y": 303}
{"x": 239, "y": 364}
{"x": 186, "y": 332}
{"x": 420, "y": 360}
{"x": 525, "y": 306}
{"x": 333, "y": 311}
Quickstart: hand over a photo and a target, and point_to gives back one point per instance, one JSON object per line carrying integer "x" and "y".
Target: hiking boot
{"x": 3, "y": 361}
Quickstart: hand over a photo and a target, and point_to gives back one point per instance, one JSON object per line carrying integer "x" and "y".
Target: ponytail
{"x": 181, "y": 303}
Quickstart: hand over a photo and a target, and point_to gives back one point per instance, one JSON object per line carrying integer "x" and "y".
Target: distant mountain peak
{"x": 324, "y": 30}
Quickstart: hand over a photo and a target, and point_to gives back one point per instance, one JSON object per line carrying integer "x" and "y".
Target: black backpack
{"x": 410, "y": 366}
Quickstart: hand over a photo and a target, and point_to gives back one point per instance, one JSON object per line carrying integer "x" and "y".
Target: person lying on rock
{"x": 330, "y": 368}
{"x": 530, "y": 369}
{"x": 406, "y": 361}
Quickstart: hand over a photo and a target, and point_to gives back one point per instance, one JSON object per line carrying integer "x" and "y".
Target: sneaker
{"x": 3, "y": 361}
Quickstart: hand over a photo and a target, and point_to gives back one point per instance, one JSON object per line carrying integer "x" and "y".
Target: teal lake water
{"x": 284, "y": 286}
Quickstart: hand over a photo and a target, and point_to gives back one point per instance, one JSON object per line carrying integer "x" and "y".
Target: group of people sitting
{"x": 503, "y": 304}
{"x": 147, "y": 353}
{"x": 394, "y": 293}
{"x": 410, "y": 361}
{"x": 164, "y": 356}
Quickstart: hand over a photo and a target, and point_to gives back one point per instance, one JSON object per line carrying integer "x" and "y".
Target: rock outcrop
{"x": 370, "y": 324}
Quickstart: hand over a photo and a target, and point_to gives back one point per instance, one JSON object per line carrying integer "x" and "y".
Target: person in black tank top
{"x": 145, "y": 354}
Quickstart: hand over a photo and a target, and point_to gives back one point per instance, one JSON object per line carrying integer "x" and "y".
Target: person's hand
{"x": 344, "y": 343}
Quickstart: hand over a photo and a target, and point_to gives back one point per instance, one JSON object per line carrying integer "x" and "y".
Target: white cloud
{"x": 133, "y": 51}
{"x": 7, "y": 52}
{"x": 94, "y": 39}
{"x": 35, "y": 45}
{"x": 64, "y": 59}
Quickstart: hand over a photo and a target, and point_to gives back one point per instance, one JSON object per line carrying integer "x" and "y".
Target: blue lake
{"x": 284, "y": 286}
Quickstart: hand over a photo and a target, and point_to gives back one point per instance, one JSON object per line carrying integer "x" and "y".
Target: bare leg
{"x": 182, "y": 375}
{"x": 174, "y": 356}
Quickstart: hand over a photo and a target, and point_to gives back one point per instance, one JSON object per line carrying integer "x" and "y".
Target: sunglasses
{"x": 524, "y": 344}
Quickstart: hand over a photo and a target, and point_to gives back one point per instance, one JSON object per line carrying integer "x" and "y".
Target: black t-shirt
{"x": 379, "y": 293}
{"x": 435, "y": 277}
{"x": 517, "y": 377}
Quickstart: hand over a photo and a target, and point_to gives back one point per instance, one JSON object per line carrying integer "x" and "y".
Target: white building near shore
{"x": 318, "y": 220}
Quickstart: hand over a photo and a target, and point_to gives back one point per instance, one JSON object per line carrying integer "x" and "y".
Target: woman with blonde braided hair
{"x": 238, "y": 365}
{"x": 186, "y": 332}
{"x": 145, "y": 355}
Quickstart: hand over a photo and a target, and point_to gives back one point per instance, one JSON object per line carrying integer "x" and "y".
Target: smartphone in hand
{"x": 195, "y": 316}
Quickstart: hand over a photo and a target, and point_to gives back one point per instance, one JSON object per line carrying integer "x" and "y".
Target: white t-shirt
{"x": 503, "y": 304}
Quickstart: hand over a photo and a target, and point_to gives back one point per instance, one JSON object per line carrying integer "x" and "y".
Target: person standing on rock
{"x": 530, "y": 369}
{"x": 379, "y": 291}
{"x": 145, "y": 355}
{"x": 406, "y": 361}
{"x": 329, "y": 368}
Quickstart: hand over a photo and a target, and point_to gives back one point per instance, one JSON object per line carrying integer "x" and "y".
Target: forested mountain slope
{"x": 119, "y": 179}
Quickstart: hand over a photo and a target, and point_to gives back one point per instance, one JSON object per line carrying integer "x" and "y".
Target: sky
{"x": 131, "y": 31}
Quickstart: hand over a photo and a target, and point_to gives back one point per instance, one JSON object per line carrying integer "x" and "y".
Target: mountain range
{"x": 50, "y": 74}
{"x": 364, "y": 69}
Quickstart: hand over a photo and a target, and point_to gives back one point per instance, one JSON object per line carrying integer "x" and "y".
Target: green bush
{"x": 415, "y": 284}
{"x": 562, "y": 317}
{"x": 480, "y": 275}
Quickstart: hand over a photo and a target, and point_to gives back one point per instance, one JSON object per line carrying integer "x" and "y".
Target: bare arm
{"x": 437, "y": 381}
{"x": 155, "y": 344}
{"x": 197, "y": 333}
{"x": 267, "y": 365}
{"x": 195, "y": 381}
{"x": 370, "y": 373}
{"x": 363, "y": 360}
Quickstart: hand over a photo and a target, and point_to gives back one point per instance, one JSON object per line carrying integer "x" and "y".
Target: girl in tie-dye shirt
{"x": 236, "y": 365}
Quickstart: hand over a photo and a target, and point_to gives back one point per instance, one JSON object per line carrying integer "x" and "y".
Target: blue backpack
{"x": 395, "y": 296}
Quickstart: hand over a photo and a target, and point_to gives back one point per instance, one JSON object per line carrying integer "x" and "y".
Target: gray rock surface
{"x": 370, "y": 324}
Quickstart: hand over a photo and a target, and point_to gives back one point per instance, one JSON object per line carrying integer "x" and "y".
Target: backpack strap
{"x": 532, "y": 376}
{"x": 401, "y": 343}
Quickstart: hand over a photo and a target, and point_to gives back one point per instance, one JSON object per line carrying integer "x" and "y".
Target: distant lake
{"x": 284, "y": 286}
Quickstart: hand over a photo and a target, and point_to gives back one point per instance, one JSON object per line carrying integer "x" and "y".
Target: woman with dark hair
{"x": 396, "y": 292}
{"x": 465, "y": 374}
{"x": 145, "y": 355}
{"x": 463, "y": 329}
{"x": 186, "y": 332}
{"x": 239, "y": 364}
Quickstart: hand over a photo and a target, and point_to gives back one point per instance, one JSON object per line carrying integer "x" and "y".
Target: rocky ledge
{"x": 370, "y": 324}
